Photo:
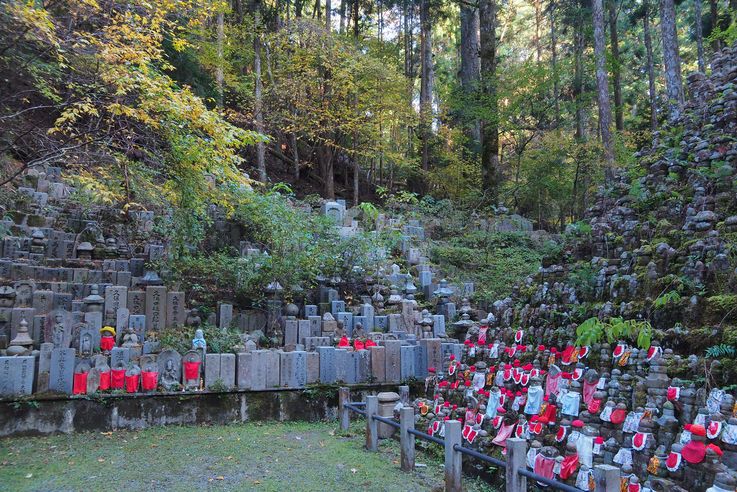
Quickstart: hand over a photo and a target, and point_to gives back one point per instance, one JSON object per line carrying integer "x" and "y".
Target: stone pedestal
{"x": 387, "y": 402}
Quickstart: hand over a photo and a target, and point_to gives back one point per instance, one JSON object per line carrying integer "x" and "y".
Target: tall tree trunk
{"x": 617, "y": 70}
{"x": 295, "y": 155}
{"x": 325, "y": 156}
{"x": 328, "y": 14}
{"x": 219, "y": 71}
{"x": 427, "y": 81}
{"x": 470, "y": 64}
{"x": 317, "y": 10}
{"x": 490, "y": 128}
{"x": 554, "y": 64}
{"x": 578, "y": 49}
{"x": 714, "y": 14}
{"x": 409, "y": 69}
{"x": 538, "y": 30}
{"x": 258, "y": 96}
{"x": 355, "y": 19}
{"x": 650, "y": 66}
{"x": 671, "y": 58}
{"x": 298, "y": 4}
{"x": 602, "y": 89}
{"x": 342, "y": 16}
{"x": 699, "y": 36}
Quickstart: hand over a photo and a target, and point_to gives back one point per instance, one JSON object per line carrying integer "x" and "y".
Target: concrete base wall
{"x": 100, "y": 413}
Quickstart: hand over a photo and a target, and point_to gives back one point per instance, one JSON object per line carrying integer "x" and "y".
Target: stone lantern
{"x": 84, "y": 251}
{"x": 22, "y": 343}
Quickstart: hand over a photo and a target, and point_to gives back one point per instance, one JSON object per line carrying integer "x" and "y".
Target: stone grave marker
{"x": 61, "y": 372}
{"x": 176, "y": 313}
{"x": 393, "y": 360}
{"x": 328, "y": 373}
{"x": 137, "y": 302}
{"x": 155, "y": 308}
{"x": 225, "y": 314}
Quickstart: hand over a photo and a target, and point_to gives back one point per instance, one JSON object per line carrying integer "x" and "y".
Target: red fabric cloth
{"x": 344, "y": 342}
{"x": 107, "y": 343}
{"x": 358, "y": 345}
{"x": 618, "y": 415}
{"x": 131, "y": 383}
{"x": 544, "y": 466}
{"x": 80, "y": 383}
{"x": 694, "y": 452}
{"x": 568, "y": 466}
{"x": 104, "y": 381}
{"x": 149, "y": 379}
{"x": 550, "y": 413}
{"x": 117, "y": 378}
{"x": 191, "y": 370}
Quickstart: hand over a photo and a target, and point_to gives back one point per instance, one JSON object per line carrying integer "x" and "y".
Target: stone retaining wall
{"x": 101, "y": 413}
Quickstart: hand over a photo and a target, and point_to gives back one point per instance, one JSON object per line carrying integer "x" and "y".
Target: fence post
{"x": 407, "y": 440}
{"x": 516, "y": 460}
{"x": 372, "y": 428}
{"x": 404, "y": 394}
{"x": 344, "y": 396}
{"x": 452, "y": 457}
{"x": 606, "y": 478}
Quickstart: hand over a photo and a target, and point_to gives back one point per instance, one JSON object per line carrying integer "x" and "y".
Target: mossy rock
{"x": 721, "y": 308}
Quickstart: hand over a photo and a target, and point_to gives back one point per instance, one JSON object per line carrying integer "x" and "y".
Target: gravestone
{"x": 16, "y": 375}
{"x": 115, "y": 298}
{"x": 43, "y": 301}
{"x": 293, "y": 369}
{"x": 378, "y": 363}
{"x": 227, "y": 370}
{"x": 225, "y": 314}
{"x": 347, "y": 319}
{"x": 245, "y": 370}
{"x": 138, "y": 323}
{"x": 272, "y": 369}
{"x": 155, "y": 308}
{"x": 137, "y": 302}
{"x": 337, "y": 307}
{"x": 258, "y": 369}
{"x": 311, "y": 310}
{"x": 313, "y": 367}
{"x": 44, "y": 366}
{"x": 438, "y": 327}
{"x": 122, "y": 321}
{"x": 407, "y": 363}
{"x": 304, "y": 330}
{"x": 61, "y": 372}
{"x": 176, "y": 313}
{"x": 381, "y": 323}
{"x": 341, "y": 365}
{"x": 120, "y": 356}
{"x": 315, "y": 325}
{"x": 393, "y": 360}
{"x": 291, "y": 332}
{"x": 328, "y": 372}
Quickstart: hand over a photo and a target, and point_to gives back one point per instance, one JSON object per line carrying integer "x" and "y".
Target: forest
{"x": 527, "y": 105}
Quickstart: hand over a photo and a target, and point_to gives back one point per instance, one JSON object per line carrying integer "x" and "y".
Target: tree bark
{"x": 328, "y": 14}
{"x": 355, "y": 19}
{"x": 578, "y": 48}
{"x": 616, "y": 71}
{"x": 470, "y": 64}
{"x": 427, "y": 81}
{"x": 699, "y": 36}
{"x": 490, "y": 128}
{"x": 602, "y": 88}
{"x": 538, "y": 30}
{"x": 714, "y": 14}
{"x": 219, "y": 71}
{"x": 342, "y": 16}
{"x": 325, "y": 155}
{"x": 554, "y": 64}
{"x": 650, "y": 66}
{"x": 671, "y": 58}
{"x": 258, "y": 92}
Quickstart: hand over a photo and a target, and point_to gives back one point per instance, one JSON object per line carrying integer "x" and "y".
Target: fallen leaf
{"x": 30, "y": 475}
{"x": 353, "y": 470}
{"x": 220, "y": 477}
{"x": 101, "y": 460}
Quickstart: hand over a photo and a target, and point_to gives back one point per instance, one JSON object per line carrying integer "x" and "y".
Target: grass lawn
{"x": 252, "y": 456}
